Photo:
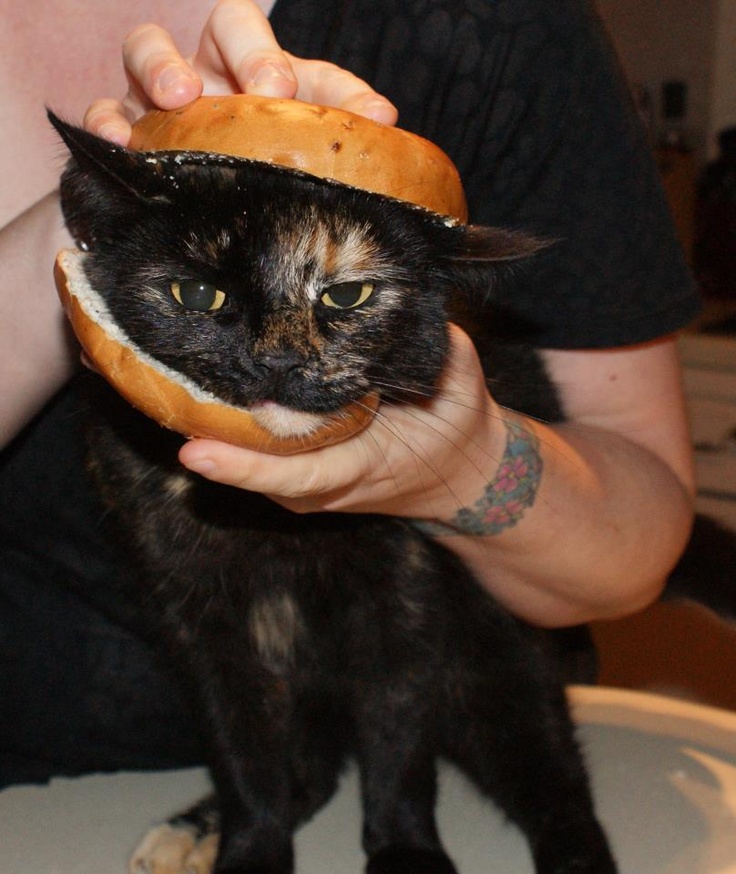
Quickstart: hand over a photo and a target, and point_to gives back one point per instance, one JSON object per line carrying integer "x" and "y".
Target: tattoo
{"x": 506, "y": 497}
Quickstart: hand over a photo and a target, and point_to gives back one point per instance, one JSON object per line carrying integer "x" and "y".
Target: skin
{"x": 614, "y": 504}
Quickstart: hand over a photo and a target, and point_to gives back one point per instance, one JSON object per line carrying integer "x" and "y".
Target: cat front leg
{"x": 396, "y": 756}
{"x": 245, "y": 712}
{"x": 249, "y": 737}
{"x": 508, "y": 727}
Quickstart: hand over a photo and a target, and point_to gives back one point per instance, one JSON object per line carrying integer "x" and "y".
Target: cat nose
{"x": 281, "y": 362}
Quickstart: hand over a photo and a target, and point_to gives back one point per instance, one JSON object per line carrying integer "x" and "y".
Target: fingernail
{"x": 378, "y": 110}
{"x": 172, "y": 79}
{"x": 203, "y": 466}
{"x": 114, "y": 133}
{"x": 269, "y": 75}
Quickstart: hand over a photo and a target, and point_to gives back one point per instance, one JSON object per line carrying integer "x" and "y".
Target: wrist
{"x": 503, "y": 499}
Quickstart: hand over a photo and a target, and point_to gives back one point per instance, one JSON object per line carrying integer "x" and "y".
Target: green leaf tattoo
{"x": 506, "y": 497}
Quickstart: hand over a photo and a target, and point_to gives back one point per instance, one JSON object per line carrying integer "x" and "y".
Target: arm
{"x": 613, "y": 504}
{"x": 612, "y": 507}
{"x": 36, "y": 357}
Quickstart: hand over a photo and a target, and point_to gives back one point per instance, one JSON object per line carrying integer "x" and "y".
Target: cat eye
{"x": 347, "y": 295}
{"x": 199, "y": 296}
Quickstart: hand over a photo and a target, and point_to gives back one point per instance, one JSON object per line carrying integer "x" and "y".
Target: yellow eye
{"x": 199, "y": 296}
{"x": 347, "y": 295}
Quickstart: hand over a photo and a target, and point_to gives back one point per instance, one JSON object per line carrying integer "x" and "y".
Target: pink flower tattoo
{"x": 506, "y": 497}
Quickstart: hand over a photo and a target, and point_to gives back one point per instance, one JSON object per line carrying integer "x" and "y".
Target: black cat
{"x": 309, "y": 639}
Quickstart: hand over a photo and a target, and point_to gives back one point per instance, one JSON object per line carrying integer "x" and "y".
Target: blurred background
{"x": 679, "y": 58}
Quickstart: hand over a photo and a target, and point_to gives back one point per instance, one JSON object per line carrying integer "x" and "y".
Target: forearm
{"x": 602, "y": 509}
{"x": 607, "y": 521}
{"x": 35, "y": 353}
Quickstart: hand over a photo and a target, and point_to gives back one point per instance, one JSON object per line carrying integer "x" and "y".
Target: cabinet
{"x": 710, "y": 387}
{"x": 679, "y": 177}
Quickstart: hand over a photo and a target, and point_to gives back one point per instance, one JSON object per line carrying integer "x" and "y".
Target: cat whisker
{"x": 419, "y": 390}
{"x": 504, "y": 414}
{"x": 456, "y": 398}
{"x": 423, "y": 460}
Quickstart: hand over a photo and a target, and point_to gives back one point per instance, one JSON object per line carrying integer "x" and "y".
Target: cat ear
{"x": 486, "y": 263}
{"x": 135, "y": 172}
{"x": 477, "y": 243}
{"x": 104, "y": 184}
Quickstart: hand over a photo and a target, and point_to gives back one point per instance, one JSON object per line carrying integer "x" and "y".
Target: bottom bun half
{"x": 173, "y": 400}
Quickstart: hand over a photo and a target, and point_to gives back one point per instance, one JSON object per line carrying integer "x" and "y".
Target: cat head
{"x": 265, "y": 284}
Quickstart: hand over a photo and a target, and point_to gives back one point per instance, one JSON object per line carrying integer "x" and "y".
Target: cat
{"x": 308, "y": 639}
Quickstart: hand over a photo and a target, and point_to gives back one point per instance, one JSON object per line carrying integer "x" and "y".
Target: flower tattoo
{"x": 506, "y": 497}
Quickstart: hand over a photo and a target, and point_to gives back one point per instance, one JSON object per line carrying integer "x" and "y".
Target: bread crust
{"x": 166, "y": 397}
{"x": 323, "y": 141}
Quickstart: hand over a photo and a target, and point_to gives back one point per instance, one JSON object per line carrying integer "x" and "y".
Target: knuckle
{"x": 102, "y": 113}
{"x": 225, "y": 13}
{"x": 141, "y": 32}
{"x": 101, "y": 107}
{"x": 309, "y": 483}
{"x": 327, "y": 74}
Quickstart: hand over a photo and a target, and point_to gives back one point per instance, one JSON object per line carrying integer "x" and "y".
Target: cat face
{"x": 267, "y": 285}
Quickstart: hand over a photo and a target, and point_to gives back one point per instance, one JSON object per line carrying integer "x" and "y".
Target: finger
{"x": 109, "y": 118}
{"x": 310, "y": 477}
{"x": 239, "y": 52}
{"x": 157, "y": 73}
{"x": 157, "y": 76}
{"x": 327, "y": 84}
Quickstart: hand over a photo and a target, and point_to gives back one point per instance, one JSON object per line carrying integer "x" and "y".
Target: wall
{"x": 723, "y": 93}
{"x": 659, "y": 41}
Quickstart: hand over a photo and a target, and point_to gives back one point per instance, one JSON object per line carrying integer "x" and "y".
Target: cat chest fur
{"x": 307, "y": 639}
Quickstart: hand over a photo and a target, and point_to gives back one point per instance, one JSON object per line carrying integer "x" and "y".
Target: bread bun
{"x": 175, "y": 401}
{"x": 325, "y": 142}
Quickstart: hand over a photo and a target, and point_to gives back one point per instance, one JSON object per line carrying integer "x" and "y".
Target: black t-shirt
{"x": 526, "y": 97}
{"x": 523, "y": 96}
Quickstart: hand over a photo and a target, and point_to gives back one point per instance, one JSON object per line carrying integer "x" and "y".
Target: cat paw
{"x": 409, "y": 860}
{"x": 168, "y": 849}
{"x": 575, "y": 850}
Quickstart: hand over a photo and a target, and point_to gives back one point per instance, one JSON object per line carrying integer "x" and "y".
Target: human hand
{"x": 237, "y": 52}
{"x": 421, "y": 461}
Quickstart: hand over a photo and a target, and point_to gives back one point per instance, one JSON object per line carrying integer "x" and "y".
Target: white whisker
{"x": 423, "y": 459}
